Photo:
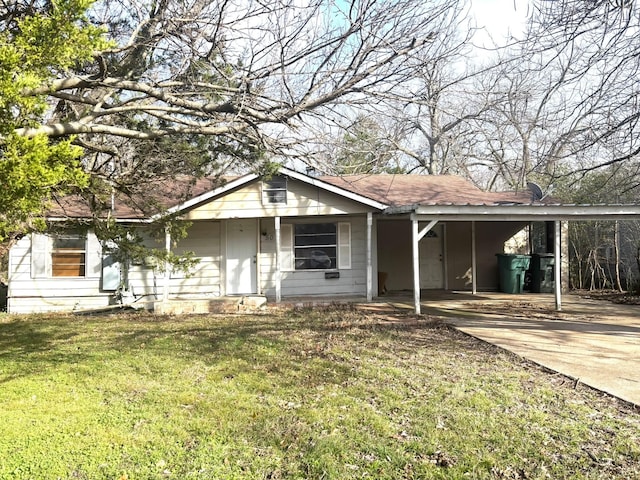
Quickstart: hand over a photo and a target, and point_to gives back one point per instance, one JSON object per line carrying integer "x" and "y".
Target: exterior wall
{"x": 49, "y": 294}
{"x": 31, "y": 295}
{"x": 395, "y": 255}
{"x": 302, "y": 200}
{"x": 352, "y": 281}
{"x": 204, "y": 240}
{"x": 490, "y": 238}
{"x": 147, "y": 282}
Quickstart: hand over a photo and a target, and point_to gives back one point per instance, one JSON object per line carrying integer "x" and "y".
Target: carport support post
{"x": 278, "y": 258}
{"x": 416, "y": 264}
{"x": 369, "y": 258}
{"x": 474, "y": 283}
{"x": 557, "y": 246}
{"x": 416, "y": 236}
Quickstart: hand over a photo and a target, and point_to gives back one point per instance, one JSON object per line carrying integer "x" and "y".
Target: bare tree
{"x": 232, "y": 70}
{"x": 434, "y": 110}
{"x": 424, "y": 120}
{"x": 200, "y": 87}
{"x": 600, "y": 38}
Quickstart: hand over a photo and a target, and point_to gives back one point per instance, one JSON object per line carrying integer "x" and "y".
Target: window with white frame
{"x": 316, "y": 246}
{"x": 65, "y": 255}
{"x": 68, "y": 256}
{"x": 274, "y": 190}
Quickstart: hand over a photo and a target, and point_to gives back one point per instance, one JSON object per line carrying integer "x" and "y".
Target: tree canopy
{"x": 110, "y": 95}
{"x": 34, "y": 48}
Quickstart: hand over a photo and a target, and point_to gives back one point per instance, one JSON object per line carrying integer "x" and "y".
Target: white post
{"x": 257, "y": 258}
{"x": 416, "y": 264}
{"x": 474, "y": 269}
{"x": 167, "y": 268}
{"x": 369, "y": 258}
{"x": 556, "y": 268}
{"x": 278, "y": 258}
{"x": 445, "y": 257}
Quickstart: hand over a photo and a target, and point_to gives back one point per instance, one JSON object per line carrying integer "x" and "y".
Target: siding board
{"x": 204, "y": 241}
{"x": 352, "y": 281}
{"x": 47, "y": 294}
{"x": 302, "y": 200}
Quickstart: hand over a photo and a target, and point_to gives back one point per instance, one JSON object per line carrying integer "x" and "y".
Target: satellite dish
{"x": 536, "y": 191}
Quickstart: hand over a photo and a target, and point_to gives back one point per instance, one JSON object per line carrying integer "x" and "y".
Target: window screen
{"x": 315, "y": 246}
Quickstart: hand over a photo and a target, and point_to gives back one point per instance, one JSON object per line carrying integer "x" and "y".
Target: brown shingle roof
{"x": 392, "y": 190}
{"x": 157, "y": 198}
{"x": 398, "y": 190}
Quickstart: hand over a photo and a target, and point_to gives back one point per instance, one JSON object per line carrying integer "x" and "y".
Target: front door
{"x": 242, "y": 250}
{"x": 431, "y": 266}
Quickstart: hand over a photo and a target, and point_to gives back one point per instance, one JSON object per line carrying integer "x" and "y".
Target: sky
{"x": 500, "y": 17}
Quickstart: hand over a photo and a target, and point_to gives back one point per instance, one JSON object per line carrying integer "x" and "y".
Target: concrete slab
{"x": 595, "y": 342}
{"x": 233, "y": 304}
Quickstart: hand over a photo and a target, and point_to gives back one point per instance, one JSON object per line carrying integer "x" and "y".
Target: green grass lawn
{"x": 333, "y": 394}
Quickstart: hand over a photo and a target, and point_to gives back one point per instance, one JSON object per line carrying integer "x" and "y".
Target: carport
{"x": 424, "y": 218}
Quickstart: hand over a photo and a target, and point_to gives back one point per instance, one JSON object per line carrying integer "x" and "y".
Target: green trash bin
{"x": 512, "y": 269}
{"x": 542, "y": 274}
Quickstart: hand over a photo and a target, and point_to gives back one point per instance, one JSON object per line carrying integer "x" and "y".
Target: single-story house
{"x": 294, "y": 235}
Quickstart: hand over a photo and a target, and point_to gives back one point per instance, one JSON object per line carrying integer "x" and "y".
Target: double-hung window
{"x": 68, "y": 256}
{"x": 274, "y": 190}
{"x": 65, "y": 255}
{"x": 316, "y": 246}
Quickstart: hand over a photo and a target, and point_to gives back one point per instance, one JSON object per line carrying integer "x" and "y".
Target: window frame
{"x": 81, "y": 252}
{"x": 316, "y": 247}
{"x": 342, "y": 247}
{"x": 277, "y": 184}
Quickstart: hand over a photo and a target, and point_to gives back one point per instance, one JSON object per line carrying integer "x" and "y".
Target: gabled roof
{"x": 183, "y": 193}
{"x": 383, "y": 192}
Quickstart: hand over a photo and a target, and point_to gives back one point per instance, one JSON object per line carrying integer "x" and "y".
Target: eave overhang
{"x": 333, "y": 189}
{"x": 516, "y": 212}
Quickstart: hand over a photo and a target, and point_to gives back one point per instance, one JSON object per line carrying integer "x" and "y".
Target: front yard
{"x": 309, "y": 394}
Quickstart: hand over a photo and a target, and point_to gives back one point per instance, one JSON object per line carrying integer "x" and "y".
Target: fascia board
{"x": 333, "y": 189}
{"x": 514, "y": 212}
{"x": 192, "y": 202}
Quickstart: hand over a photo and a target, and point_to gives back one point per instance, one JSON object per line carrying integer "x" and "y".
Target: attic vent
{"x": 274, "y": 190}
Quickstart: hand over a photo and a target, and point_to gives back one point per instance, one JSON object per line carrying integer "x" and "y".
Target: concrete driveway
{"x": 593, "y": 341}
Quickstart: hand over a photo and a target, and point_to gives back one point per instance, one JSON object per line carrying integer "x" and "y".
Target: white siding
{"x": 146, "y": 280}
{"x": 302, "y": 200}
{"x": 46, "y": 294}
{"x": 352, "y": 281}
{"x": 204, "y": 279}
